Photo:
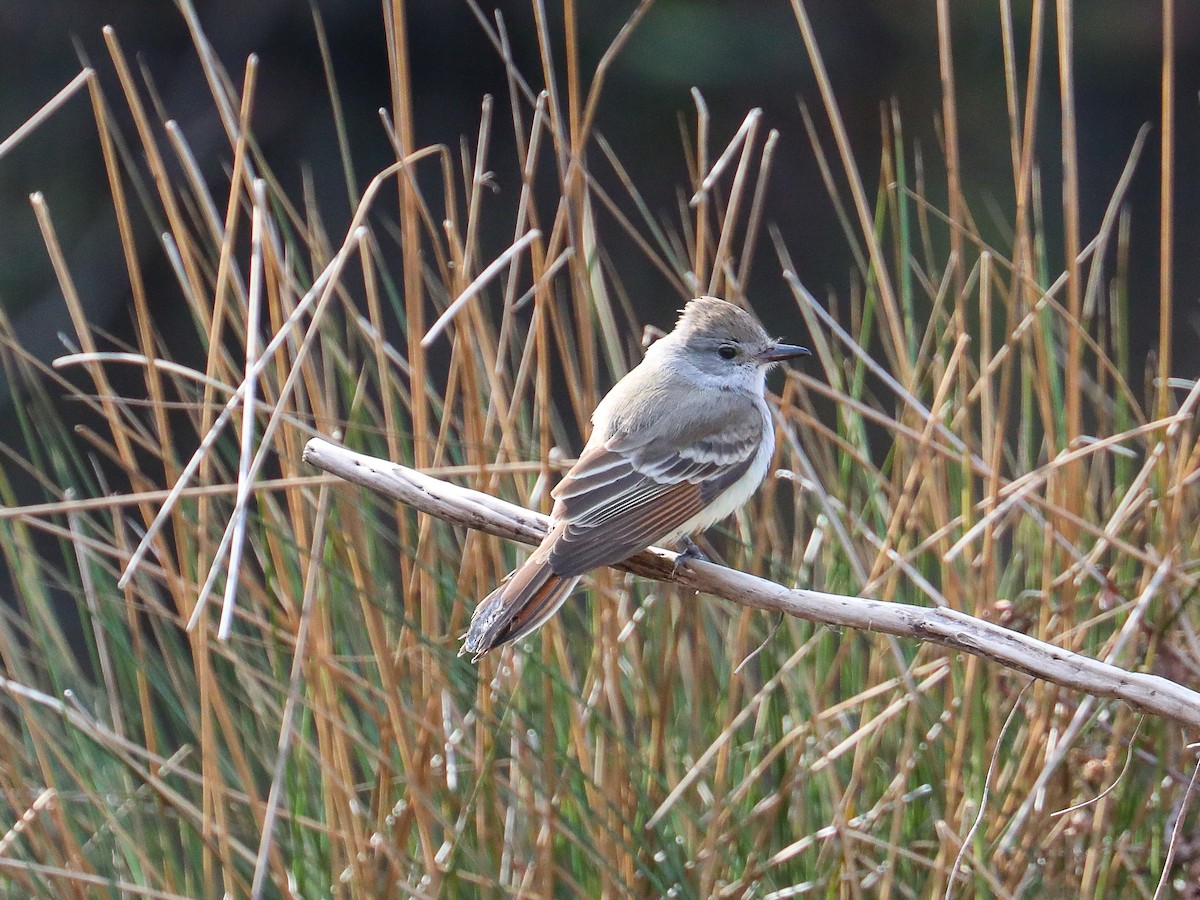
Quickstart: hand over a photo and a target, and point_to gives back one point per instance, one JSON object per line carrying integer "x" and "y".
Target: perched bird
{"x": 678, "y": 444}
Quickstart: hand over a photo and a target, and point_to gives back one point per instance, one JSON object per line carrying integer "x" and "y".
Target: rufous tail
{"x": 525, "y": 600}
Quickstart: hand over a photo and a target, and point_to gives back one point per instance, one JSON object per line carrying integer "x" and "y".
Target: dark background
{"x": 740, "y": 55}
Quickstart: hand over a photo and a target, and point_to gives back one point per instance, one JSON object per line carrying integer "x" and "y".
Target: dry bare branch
{"x": 948, "y": 627}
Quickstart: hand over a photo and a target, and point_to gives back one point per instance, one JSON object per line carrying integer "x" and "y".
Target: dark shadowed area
{"x": 738, "y": 55}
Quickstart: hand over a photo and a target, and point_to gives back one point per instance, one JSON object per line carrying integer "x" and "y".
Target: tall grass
{"x": 969, "y": 437}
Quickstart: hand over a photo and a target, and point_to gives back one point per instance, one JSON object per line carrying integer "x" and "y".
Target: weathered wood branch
{"x": 950, "y": 628}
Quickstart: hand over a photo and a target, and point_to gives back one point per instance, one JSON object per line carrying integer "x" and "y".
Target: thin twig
{"x": 477, "y": 285}
{"x": 83, "y": 558}
{"x": 1165, "y": 878}
{"x": 1108, "y": 790}
{"x": 710, "y": 177}
{"x": 293, "y": 695}
{"x": 241, "y": 506}
{"x": 48, "y": 109}
{"x": 987, "y": 790}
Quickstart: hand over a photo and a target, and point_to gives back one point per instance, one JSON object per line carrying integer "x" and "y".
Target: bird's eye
{"x": 727, "y": 351}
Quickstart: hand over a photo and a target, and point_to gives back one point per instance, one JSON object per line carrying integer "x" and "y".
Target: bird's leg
{"x": 688, "y": 549}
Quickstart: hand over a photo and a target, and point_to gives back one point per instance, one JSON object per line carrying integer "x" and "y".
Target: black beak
{"x": 780, "y": 352}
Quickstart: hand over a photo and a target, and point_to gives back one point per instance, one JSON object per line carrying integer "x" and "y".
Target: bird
{"x": 678, "y": 444}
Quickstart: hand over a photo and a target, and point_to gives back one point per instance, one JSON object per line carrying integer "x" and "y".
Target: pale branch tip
{"x": 950, "y": 628}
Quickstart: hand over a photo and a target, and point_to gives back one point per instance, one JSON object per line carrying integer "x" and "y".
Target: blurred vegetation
{"x": 977, "y": 430}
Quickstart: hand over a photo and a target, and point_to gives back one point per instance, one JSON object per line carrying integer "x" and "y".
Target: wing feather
{"x": 641, "y": 478}
{"x": 624, "y": 494}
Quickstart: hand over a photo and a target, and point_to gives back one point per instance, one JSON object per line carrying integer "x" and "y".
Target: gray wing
{"x": 628, "y": 490}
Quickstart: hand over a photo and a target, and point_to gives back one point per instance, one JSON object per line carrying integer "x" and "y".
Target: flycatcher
{"x": 678, "y": 444}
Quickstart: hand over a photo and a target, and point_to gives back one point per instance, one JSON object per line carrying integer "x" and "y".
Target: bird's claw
{"x": 688, "y": 549}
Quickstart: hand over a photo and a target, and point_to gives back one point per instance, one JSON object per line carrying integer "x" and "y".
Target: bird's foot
{"x": 688, "y": 549}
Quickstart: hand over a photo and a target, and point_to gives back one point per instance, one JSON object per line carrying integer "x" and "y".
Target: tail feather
{"x": 529, "y": 597}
